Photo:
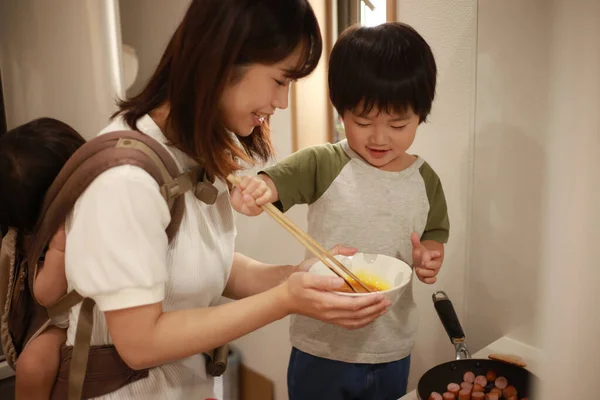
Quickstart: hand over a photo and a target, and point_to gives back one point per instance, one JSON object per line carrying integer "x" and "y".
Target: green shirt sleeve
{"x": 303, "y": 177}
{"x": 438, "y": 223}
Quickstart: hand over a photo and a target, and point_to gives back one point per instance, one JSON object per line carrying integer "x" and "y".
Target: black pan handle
{"x": 445, "y": 311}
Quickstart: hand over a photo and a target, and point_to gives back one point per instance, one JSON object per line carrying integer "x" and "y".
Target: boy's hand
{"x": 251, "y": 193}
{"x": 427, "y": 263}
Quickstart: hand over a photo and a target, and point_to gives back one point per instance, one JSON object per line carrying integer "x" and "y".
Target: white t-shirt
{"x": 117, "y": 254}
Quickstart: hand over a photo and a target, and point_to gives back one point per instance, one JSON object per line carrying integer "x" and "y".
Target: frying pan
{"x": 438, "y": 378}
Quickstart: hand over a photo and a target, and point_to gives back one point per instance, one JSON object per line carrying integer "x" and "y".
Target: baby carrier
{"x": 87, "y": 371}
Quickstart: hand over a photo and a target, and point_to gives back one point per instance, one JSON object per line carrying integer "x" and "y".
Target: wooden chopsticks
{"x": 315, "y": 248}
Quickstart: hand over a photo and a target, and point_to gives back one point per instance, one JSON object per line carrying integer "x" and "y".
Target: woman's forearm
{"x": 249, "y": 277}
{"x": 146, "y": 337}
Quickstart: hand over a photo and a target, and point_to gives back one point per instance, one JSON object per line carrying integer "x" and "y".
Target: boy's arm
{"x": 437, "y": 227}
{"x": 428, "y": 250}
{"x": 300, "y": 178}
{"x": 303, "y": 177}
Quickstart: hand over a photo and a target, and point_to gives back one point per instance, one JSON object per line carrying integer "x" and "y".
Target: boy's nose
{"x": 378, "y": 137}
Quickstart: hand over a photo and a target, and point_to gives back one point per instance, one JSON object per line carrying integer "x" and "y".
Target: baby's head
{"x": 382, "y": 83}
{"x": 31, "y": 156}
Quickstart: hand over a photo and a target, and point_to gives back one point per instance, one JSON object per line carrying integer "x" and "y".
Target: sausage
{"x": 501, "y": 382}
{"x": 492, "y": 396}
{"x": 435, "y": 396}
{"x": 465, "y": 394}
{"x": 478, "y": 388}
{"x": 512, "y": 398}
{"x": 467, "y": 385}
{"x": 448, "y": 396}
{"x": 482, "y": 380}
{"x": 524, "y": 398}
{"x": 477, "y": 396}
{"x": 469, "y": 377}
{"x": 497, "y": 391}
{"x": 453, "y": 388}
{"x": 491, "y": 376}
{"x": 509, "y": 391}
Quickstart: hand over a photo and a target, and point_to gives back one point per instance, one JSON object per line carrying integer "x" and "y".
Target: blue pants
{"x": 315, "y": 378}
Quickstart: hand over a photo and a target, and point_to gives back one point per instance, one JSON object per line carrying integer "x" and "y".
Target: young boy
{"x": 369, "y": 193}
{"x": 31, "y": 157}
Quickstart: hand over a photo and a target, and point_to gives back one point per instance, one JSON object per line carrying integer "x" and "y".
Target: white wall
{"x": 570, "y": 326}
{"x": 310, "y": 94}
{"x": 512, "y": 121}
{"x": 446, "y": 143}
{"x": 147, "y": 26}
{"x": 533, "y": 271}
{"x": 60, "y": 59}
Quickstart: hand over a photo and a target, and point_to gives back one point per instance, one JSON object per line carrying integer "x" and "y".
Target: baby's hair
{"x": 31, "y": 156}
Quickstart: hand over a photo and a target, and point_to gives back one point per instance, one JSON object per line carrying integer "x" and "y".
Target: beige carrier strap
{"x": 64, "y": 304}
{"x": 89, "y": 161}
{"x": 174, "y": 187}
{"x": 166, "y": 176}
{"x": 81, "y": 349}
{"x": 216, "y": 360}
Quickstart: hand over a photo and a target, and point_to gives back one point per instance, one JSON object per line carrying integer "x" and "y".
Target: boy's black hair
{"x": 31, "y": 156}
{"x": 389, "y": 66}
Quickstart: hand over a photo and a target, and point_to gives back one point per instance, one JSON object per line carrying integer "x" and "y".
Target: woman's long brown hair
{"x": 214, "y": 38}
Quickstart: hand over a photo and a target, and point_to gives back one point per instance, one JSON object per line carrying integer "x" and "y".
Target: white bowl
{"x": 395, "y": 272}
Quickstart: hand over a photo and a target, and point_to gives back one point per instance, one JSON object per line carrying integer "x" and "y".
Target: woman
{"x": 227, "y": 68}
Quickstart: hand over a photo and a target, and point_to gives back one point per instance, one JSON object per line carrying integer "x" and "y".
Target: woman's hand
{"x": 249, "y": 195}
{"x": 311, "y": 295}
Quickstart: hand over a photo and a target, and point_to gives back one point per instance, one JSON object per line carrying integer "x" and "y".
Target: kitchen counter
{"x": 505, "y": 345}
